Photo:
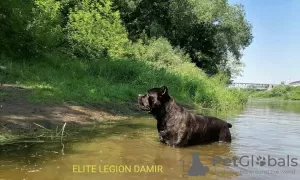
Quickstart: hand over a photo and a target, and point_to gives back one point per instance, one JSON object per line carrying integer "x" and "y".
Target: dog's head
{"x": 155, "y": 98}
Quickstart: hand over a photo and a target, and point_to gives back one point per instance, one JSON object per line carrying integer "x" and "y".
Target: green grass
{"x": 280, "y": 92}
{"x": 55, "y": 78}
{"x": 3, "y": 94}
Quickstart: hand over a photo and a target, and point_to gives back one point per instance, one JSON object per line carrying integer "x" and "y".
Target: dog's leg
{"x": 181, "y": 139}
{"x": 163, "y": 135}
{"x": 161, "y": 139}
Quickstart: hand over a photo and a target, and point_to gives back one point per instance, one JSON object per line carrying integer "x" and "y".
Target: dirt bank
{"x": 19, "y": 115}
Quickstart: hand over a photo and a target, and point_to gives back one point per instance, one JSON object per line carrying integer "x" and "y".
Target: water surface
{"x": 269, "y": 129}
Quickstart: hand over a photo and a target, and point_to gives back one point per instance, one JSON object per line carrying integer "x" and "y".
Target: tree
{"x": 15, "y": 17}
{"x": 231, "y": 67}
{"x": 208, "y": 30}
{"x": 29, "y": 27}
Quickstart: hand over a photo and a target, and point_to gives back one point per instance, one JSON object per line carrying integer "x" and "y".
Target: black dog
{"x": 176, "y": 126}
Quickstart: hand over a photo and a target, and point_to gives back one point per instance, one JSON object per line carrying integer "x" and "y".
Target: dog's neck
{"x": 162, "y": 112}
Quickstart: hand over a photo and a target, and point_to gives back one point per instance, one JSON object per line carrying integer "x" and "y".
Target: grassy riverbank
{"x": 279, "y": 92}
{"x": 56, "y": 78}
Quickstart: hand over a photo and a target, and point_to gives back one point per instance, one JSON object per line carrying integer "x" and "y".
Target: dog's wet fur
{"x": 176, "y": 126}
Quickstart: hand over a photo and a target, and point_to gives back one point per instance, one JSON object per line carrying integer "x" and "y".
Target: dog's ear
{"x": 164, "y": 90}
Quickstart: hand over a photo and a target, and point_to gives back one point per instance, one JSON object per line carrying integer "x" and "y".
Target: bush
{"x": 46, "y": 25}
{"x": 159, "y": 52}
{"x": 29, "y": 27}
{"x": 279, "y": 92}
{"x": 95, "y": 30}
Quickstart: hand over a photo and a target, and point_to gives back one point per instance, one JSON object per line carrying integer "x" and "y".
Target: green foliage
{"x": 29, "y": 27}
{"x": 165, "y": 38}
{"x": 15, "y": 36}
{"x": 95, "y": 30}
{"x": 279, "y": 92}
{"x": 46, "y": 24}
{"x": 159, "y": 52}
{"x": 209, "y": 31}
{"x": 231, "y": 67}
{"x": 58, "y": 78}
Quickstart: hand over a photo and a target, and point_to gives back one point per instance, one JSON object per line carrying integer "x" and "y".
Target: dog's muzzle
{"x": 143, "y": 102}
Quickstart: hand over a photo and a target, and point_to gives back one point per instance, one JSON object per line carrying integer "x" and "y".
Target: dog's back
{"x": 213, "y": 129}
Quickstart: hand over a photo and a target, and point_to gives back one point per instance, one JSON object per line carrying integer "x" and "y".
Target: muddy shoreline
{"x": 20, "y": 116}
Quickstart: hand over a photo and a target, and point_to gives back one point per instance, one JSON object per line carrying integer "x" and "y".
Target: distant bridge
{"x": 256, "y": 86}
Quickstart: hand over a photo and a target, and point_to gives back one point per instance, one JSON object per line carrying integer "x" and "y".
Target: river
{"x": 265, "y": 145}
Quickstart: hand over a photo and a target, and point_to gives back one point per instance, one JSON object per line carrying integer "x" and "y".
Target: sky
{"x": 274, "y": 55}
